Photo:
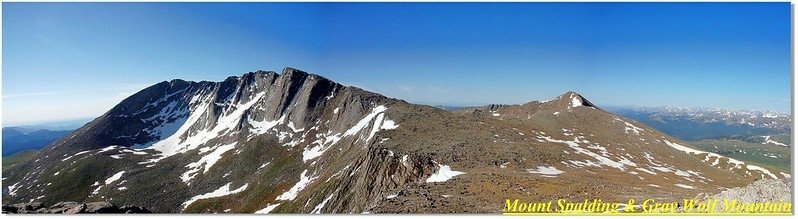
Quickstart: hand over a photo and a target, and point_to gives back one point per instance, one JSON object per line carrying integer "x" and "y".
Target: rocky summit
{"x": 294, "y": 142}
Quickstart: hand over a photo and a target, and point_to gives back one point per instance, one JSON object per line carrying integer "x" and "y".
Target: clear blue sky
{"x": 77, "y": 60}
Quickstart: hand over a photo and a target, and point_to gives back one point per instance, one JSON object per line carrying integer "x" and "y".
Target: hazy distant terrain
{"x": 17, "y": 139}
{"x": 759, "y": 137}
{"x": 698, "y": 123}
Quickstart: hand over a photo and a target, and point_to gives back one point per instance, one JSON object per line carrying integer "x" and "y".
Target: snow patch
{"x": 76, "y": 154}
{"x": 174, "y": 144}
{"x": 261, "y": 127}
{"x": 317, "y": 209}
{"x": 443, "y": 174}
{"x": 221, "y": 191}
{"x": 576, "y": 101}
{"x": 206, "y": 162}
{"x": 768, "y": 141}
{"x": 365, "y": 121}
{"x": 269, "y": 208}
{"x": 293, "y": 128}
{"x": 603, "y": 160}
{"x": 12, "y": 189}
{"x": 114, "y": 177}
{"x": 647, "y": 171}
{"x": 763, "y": 170}
{"x": 389, "y": 124}
{"x": 630, "y": 127}
{"x": 304, "y": 181}
{"x": 321, "y": 145}
{"x": 110, "y": 180}
{"x": 546, "y": 170}
{"x": 709, "y": 155}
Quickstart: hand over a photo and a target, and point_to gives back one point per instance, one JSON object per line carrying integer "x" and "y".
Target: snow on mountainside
{"x": 174, "y": 142}
{"x": 297, "y": 142}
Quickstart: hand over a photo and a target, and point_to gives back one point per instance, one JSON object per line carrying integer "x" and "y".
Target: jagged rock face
{"x": 264, "y": 133}
{"x": 297, "y": 142}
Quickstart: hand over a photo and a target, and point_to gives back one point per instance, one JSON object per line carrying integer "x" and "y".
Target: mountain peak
{"x": 290, "y": 70}
{"x": 575, "y": 99}
{"x": 264, "y": 72}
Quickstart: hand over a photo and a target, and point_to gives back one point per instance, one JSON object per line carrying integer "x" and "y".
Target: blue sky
{"x": 77, "y": 60}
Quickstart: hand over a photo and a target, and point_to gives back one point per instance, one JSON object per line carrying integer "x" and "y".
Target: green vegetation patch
{"x": 18, "y": 157}
{"x": 770, "y": 156}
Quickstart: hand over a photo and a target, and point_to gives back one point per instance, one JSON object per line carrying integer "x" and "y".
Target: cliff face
{"x": 297, "y": 142}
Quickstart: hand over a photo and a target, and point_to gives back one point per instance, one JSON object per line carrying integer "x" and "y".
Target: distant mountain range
{"x": 294, "y": 142}
{"x": 693, "y": 124}
{"x": 60, "y": 125}
{"x": 17, "y": 139}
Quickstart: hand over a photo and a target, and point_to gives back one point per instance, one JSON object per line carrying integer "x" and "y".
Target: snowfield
{"x": 304, "y": 181}
{"x": 221, "y": 191}
{"x": 443, "y": 174}
{"x": 115, "y": 177}
{"x": 546, "y": 170}
{"x": 267, "y": 209}
{"x": 206, "y": 162}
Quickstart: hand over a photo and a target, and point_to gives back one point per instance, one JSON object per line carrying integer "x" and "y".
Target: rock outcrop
{"x": 761, "y": 191}
{"x": 72, "y": 208}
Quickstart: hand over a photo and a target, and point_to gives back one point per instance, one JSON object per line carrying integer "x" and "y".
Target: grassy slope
{"x": 758, "y": 154}
{"x": 18, "y": 157}
{"x": 782, "y": 138}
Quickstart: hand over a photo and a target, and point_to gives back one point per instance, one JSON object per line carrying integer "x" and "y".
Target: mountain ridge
{"x": 297, "y": 142}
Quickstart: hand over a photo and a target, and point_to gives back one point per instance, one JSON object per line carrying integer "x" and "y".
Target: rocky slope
{"x": 297, "y": 142}
{"x": 761, "y": 191}
{"x": 72, "y": 208}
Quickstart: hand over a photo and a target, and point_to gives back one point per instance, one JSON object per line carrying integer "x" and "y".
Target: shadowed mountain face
{"x": 297, "y": 142}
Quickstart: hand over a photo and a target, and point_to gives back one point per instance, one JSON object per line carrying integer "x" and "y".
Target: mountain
{"x": 59, "y": 125}
{"x": 700, "y": 123}
{"x": 12, "y": 131}
{"x": 296, "y": 142}
{"x": 19, "y": 139}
